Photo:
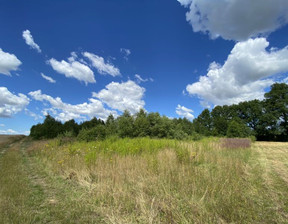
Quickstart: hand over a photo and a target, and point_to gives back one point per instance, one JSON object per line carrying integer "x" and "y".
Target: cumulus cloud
{"x": 139, "y": 79}
{"x": 184, "y": 112}
{"x": 49, "y": 79}
{"x": 65, "y": 111}
{"x": 8, "y": 63}
{"x": 236, "y": 19}
{"x": 244, "y": 76}
{"x": 11, "y": 104}
{"x": 73, "y": 69}
{"x": 123, "y": 96}
{"x": 30, "y": 41}
{"x": 101, "y": 66}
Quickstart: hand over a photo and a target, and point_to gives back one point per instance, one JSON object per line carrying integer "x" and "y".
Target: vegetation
{"x": 266, "y": 120}
{"x": 143, "y": 180}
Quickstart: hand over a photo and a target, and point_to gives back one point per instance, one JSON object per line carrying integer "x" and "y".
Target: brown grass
{"x": 235, "y": 143}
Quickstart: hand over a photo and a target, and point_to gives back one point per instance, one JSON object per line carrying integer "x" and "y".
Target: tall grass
{"x": 163, "y": 181}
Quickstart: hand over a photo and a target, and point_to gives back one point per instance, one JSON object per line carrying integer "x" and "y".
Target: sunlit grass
{"x": 144, "y": 181}
{"x": 164, "y": 181}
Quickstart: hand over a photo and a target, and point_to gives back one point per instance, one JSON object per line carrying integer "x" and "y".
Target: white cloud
{"x": 8, "y": 63}
{"x": 13, "y": 132}
{"x": 244, "y": 76}
{"x": 123, "y": 96}
{"x": 2, "y": 125}
{"x": 65, "y": 111}
{"x": 236, "y": 19}
{"x": 125, "y": 52}
{"x": 30, "y": 41}
{"x": 102, "y": 67}
{"x": 8, "y": 132}
{"x": 11, "y": 104}
{"x": 34, "y": 115}
{"x": 139, "y": 79}
{"x": 184, "y": 112}
{"x": 49, "y": 79}
{"x": 73, "y": 69}
{"x": 185, "y": 2}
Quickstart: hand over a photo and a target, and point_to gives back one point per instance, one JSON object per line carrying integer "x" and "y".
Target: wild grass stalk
{"x": 162, "y": 181}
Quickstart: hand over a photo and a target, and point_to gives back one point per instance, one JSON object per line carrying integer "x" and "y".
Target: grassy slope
{"x": 143, "y": 181}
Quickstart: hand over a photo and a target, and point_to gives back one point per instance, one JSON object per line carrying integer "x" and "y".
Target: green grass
{"x": 145, "y": 181}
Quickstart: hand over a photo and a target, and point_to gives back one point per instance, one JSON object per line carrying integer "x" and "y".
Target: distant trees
{"x": 266, "y": 120}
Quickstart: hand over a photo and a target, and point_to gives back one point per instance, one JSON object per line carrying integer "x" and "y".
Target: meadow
{"x": 144, "y": 180}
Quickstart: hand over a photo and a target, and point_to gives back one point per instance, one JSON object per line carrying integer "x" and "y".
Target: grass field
{"x": 143, "y": 181}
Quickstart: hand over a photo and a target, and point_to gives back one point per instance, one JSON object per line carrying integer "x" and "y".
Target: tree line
{"x": 266, "y": 120}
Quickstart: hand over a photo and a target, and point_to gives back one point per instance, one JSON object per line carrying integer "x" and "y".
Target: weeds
{"x": 236, "y": 143}
{"x": 160, "y": 181}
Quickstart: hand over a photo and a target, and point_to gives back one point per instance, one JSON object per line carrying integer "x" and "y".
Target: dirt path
{"x": 29, "y": 193}
{"x": 6, "y": 141}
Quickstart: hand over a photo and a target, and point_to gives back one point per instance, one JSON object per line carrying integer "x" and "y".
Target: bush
{"x": 97, "y": 133}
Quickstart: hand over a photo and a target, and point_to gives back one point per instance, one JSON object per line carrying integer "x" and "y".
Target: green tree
{"x": 203, "y": 123}
{"x": 219, "y": 121}
{"x": 237, "y": 129}
{"x": 111, "y": 126}
{"x": 125, "y": 125}
{"x": 71, "y": 127}
{"x": 141, "y": 124}
{"x": 276, "y": 104}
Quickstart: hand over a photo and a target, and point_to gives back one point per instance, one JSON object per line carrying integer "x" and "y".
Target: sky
{"x": 91, "y": 58}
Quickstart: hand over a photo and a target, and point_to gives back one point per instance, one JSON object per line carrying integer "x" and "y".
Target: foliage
{"x": 266, "y": 120}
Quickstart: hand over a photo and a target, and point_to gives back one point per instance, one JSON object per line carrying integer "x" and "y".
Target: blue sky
{"x": 80, "y": 59}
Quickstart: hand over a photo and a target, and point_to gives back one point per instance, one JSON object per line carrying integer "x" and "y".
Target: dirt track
{"x": 9, "y": 138}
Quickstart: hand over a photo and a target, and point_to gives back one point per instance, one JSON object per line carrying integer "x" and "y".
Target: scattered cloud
{"x": 184, "y": 112}
{"x": 123, "y": 96}
{"x": 244, "y": 76}
{"x": 125, "y": 52}
{"x": 8, "y": 132}
{"x": 32, "y": 114}
{"x": 49, "y": 79}
{"x": 8, "y": 63}
{"x": 11, "y": 104}
{"x": 73, "y": 69}
{"x": 102, "y": 67}
{"x": 2, "y": 125}
{"x": 236, "y": 19}
{"x": 30, "y": 41}
{"x": 13, "y": 132}
{"x": 65, "y": 111}
{"x": 139, "y": 79}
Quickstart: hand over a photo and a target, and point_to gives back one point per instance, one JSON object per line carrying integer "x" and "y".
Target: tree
{"x": 141, "y": 124}
{"x": 49, "y": 129}
{"x": 72, "y": 127}
{"x": 111, "y": 126}
{"x": 125, "y": 125}
{"x": 276, "y": 104}
{"x": 237, "y": 129}
{"x": 219, "y": 121}
{"x": 203, "y": 123}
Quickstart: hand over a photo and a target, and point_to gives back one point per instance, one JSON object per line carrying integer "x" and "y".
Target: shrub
{"x": 97, "y": 133}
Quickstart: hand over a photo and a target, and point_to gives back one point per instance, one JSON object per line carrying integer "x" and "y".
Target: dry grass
{"x": 160, "y": 181}
{"x": 236, "y": 143}
{"x": 187, "y": 182}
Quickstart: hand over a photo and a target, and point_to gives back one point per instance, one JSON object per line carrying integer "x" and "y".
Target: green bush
{"x": 97, "y": 133}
